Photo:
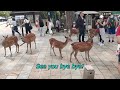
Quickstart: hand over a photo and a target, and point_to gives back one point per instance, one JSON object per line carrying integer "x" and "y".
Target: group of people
{"x": 14, "y": 26}
{"x": 40, "y": 25}
{"x": 102, "y": 25}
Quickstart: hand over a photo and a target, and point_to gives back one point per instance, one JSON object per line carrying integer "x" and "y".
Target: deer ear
{"x": 65, "y": 37}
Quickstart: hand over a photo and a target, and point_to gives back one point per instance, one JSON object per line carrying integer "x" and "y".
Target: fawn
{"x": 73, "y": 31}
{"x": 58, "y": 44}
{"x": 28, "y": 39}
{"x": 9, "y": 41}
{"x": 83, "y": 46}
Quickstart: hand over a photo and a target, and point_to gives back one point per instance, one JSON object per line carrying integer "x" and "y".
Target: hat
{"x": 101, "y": 16}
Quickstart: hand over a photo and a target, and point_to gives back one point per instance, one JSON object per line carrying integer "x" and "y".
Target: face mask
{"x": 111, "y": 16}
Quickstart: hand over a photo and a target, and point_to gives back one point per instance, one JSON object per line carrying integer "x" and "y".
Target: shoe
{"x": 117, "y": 52}
{"x": 99, "y": 43}
{"x": 109, "y": 41}
{"x": 112, "y": 40}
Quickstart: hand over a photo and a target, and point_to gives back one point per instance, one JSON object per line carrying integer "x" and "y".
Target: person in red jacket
{"x": 118, "y": 38}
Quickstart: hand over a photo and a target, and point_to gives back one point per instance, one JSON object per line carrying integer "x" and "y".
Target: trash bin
{"x": 88, "y": 72}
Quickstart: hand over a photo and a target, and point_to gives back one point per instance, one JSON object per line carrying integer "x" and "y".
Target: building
{"x": 32, "y": 15}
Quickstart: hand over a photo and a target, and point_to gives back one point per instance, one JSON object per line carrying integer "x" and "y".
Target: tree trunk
{"x": 69, "y": 19}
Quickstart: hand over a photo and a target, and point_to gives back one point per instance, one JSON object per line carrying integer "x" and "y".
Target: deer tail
{"x": 22, "y": 43}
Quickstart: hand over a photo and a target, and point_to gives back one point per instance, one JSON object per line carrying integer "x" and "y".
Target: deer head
{"x": 68, "y": 38}
{"x": 5, "y": 37}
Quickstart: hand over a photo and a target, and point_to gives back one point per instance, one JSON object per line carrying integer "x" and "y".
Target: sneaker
{"x": 112, "y": 40}
{"x": 117, "y": 53}
{"x": 99, "y": 43}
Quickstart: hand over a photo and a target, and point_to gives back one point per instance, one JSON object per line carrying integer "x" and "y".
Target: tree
{"x": 5, "y": 13}
{"x": 69, "y": 19}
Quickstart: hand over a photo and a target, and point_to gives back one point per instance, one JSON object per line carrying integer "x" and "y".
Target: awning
{"x": 116, "y": 12}
{"x": 87, "y": 12}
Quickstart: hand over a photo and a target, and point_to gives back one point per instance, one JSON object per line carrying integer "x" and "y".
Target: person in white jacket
{"x": 50, "y": 25}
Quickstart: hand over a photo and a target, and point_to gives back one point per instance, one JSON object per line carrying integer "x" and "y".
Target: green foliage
{"x": 5, "y": 13}
{"x": 44, "y": 14}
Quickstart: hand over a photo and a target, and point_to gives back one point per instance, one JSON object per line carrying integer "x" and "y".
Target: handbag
{"x": 30, "y": 26}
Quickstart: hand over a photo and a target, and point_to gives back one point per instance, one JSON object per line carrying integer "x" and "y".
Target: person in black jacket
{"x": 80, "y": 26}
{"x": 41, "y": 24}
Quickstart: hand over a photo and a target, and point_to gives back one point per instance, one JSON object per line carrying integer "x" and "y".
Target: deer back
{"x": 29, "y": 38}
{"x": 81, "y": 46}
{"x": 10, "y": 41}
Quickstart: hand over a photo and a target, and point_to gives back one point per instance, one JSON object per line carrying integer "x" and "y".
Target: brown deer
{"x": 9, "y": 41}
{"x": 83, "y": 47}
{"x": 73, "y": 31}
{"x": 58, "y": 44}
{"x": 28, "y": 39}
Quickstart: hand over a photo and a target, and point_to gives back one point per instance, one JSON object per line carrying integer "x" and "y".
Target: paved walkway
{"x": 23, "y": 66}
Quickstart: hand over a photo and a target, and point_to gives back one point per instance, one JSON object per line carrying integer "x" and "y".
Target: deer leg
{"x": 60, "y": 53}
{"x": 76, "y": 55}
{"x": 50, "y": 49}
{"x": 30, "y": 48}
{"x": 18, "y": 47}
{"x": 10, "y": 51}
{"x": 86, "y": 55}
{"x": 5, "y": 51}
{"x": 35, "y": 44}
{"x": 27, "y": 48}
{"x": 53, "y": 51}
{"x": 71, "y": 55}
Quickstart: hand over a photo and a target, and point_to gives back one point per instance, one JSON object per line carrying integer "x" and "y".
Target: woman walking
{"x": 101, "y": 30}
{"x": 41, "y": 25}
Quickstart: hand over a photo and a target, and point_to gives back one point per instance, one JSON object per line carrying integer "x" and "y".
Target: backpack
{"x": 112, "y": 22}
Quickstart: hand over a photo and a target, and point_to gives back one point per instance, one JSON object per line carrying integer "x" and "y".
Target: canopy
{"x": 116, "y": 12}
{"x": 88, "y": 12}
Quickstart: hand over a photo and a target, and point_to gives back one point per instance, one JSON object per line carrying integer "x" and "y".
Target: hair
{"x": 81, "y": 12}
{"x": 49, "y": 19}
{"x": 26, "y": 18}
{"x": 40, "y": 18}
{"x": 13, "y": 19}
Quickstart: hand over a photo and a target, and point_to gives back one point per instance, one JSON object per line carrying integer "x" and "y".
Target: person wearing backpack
{"x": 41, "y": 25}
{"x": 111, "y": 27}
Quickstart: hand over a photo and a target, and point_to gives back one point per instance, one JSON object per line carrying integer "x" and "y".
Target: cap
{"x": 101, "y": 16}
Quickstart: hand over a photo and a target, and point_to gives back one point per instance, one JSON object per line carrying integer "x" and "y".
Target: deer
{"x": 73, "y": 31}
{"x": 58, "y": 44}
{"x": 28, "y": 39}
{"x": 8, "y": 42}
{"x": 83, "y": 47}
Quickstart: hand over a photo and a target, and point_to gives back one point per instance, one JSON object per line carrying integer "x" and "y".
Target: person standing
{"x": 41, "y": 25}
{"x": 57, "y": 25}
{"x": 111, "y": 27}
{"x": 27, "y": 25}
{"x": 80, "y": 26}
{"x": 102, "y": 30}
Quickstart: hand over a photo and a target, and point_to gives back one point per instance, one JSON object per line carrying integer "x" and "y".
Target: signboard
{"x": 19, "y": 17}
{"x": 88, "y": 22}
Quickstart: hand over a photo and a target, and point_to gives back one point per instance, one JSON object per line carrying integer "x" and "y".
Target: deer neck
{"x": 90, "y": 40}
{"x": 65, "y": 43}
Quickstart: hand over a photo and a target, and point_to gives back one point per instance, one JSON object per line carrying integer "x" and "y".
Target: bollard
{"x": 88, "y": 72}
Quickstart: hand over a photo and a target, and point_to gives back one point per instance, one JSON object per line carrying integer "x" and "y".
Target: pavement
{"x": 23, "y": 65}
